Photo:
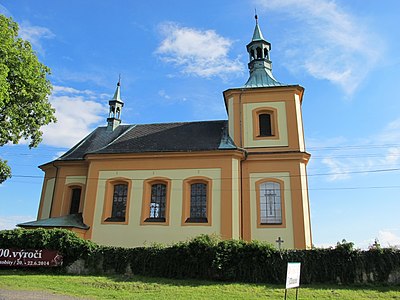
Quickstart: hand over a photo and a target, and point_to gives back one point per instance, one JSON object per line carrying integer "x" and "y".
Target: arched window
{"x": 253, "y": 54}
{"x": 116, "y": 200}
{"x": 266, "y": 53}
{"x": 270, "y": 203}
{"x": 119, "y": 203}
{"x": 158, "y": 202}
{"x": 198, "y": 203}
{"x": 155, "y": 205}
{"x": 265, "y": 124}
{"x": 196, "y": 207}
{"x": 75, "y": 200}
{"x": 259, "y": 53}
{"x": 118, "y": 114}
{"x": 112, "y": 111}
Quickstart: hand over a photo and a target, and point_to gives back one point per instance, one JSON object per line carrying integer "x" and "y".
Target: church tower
{"x": 116, "y": 104}
{"x": 265, "y": 121}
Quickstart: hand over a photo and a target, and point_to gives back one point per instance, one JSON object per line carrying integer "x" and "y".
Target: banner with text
{"x": 30, "y": 258}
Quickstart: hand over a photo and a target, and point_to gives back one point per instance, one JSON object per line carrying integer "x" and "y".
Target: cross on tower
{"x": 279, "y": 241}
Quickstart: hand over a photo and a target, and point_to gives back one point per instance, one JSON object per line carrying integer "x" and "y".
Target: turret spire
{"x": 257, "y": 35}
{"x": 116, "y": 104}
{"x": 260, "y": 65}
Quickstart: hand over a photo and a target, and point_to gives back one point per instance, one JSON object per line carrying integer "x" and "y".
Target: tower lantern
{"x": 116, "y": 104}
{"x": 260, "y": 65}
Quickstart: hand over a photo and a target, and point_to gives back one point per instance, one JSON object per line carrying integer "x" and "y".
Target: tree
{"x": 24, "y": 91}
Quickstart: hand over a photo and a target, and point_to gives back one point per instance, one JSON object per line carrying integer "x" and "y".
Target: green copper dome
{"x": 260, "y": 65}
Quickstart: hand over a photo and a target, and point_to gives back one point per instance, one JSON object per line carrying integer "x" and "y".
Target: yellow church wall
{"x": 231, "y": 120}
{"x": 135, "y": 234}
{"x": 275, "y": 164}
{"x": 165, "y": 161}
{"x": 262, "y": 97}
{"x": 75, "y": 179}
{"x": 235, "y": 199}
{"x": 299, "y": 123}
{"x": 248, "y": 127}
{"x": 65, "y": 170}
{"x": 45, "y": 205}
{"x": 72, "y": 182}
{"x": 271, "y": 234}
{"x": 306, "y": 205}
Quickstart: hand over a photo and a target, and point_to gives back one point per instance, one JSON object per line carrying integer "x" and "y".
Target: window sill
{"x": 114, "y": 219}
{"x": 196, "y": 220}
{"x": 155, "y": 220}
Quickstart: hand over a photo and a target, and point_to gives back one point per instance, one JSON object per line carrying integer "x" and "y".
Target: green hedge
{"x": 207, "y": 257}
{"x": 64, "y": 241}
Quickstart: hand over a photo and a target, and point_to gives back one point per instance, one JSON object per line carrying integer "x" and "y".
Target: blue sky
{"x": 177, "y": 57}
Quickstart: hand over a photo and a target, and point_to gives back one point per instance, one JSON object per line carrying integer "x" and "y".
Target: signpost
{"x": 293, "y": 277}
{"x": 29, "y": 258}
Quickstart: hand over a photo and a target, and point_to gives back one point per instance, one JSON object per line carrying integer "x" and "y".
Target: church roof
{"x": 162, "y": 137}
{"x": 262, "y": 77}
{"x": 74, "y": 221}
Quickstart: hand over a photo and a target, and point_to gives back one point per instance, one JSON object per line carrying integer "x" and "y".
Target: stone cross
{"x": 279, "y": 241}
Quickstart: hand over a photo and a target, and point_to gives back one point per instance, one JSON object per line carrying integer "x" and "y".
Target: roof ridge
{"x": 183, "y": 122}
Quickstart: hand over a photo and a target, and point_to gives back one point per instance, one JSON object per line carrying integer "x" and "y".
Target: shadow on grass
{"x": 200, "y": 283}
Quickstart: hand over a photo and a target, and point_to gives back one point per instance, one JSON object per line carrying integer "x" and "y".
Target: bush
{"x": 64, "y": 241}
{"x": 207, "y": 257}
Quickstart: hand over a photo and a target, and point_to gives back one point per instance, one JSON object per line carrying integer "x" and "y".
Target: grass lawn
{"x": 137, "y": 287}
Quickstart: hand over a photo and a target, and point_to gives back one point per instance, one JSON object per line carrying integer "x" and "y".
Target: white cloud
{"x": 197, "y": 52}
{"x": 10, "y": 222}
{"x": 35, "y": 35}
{"x": 163, "y": 94}
{"x": 388, "y": 239}
{"x": 328, "y": 43}
{"x": 76, "y": 117}
{"x": 69, "y": 90}
{"x": 338, "y": 169}
{"x": 378, "y": 152}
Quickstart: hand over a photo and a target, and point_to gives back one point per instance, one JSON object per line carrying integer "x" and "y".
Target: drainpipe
{"x": 54, "y": 189}
{"x": 241, "y": 163}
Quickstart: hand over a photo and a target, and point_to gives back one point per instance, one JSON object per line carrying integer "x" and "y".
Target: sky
{"x": 177, "y": 57}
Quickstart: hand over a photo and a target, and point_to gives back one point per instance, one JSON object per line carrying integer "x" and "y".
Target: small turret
{"x": 116, "y": 104}
{"x": 260, "y": 65}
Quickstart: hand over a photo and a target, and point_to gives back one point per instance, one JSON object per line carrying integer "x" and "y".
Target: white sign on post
{"x": 293, "y": 275}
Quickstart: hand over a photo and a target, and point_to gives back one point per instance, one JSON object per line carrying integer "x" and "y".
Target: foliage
{"x": 24, "y": 91}
{"x": 209, "y": 258}
{"x": 65, "y": 241}
{"x": 5, "y": 171}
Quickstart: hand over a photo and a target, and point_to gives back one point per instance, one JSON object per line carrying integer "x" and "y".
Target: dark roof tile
{"x": 162, "y": 137}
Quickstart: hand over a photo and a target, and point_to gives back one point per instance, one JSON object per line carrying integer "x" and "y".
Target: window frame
{"x": 109, "y": 199}
{"x": 73, "y": 189}
{"x": 146, "y": 201}
{"x": 66, "y": 205}
{"x": 273, "y": 112}
{"x": 282, "y": 200}
{"x": 187, "y": 183}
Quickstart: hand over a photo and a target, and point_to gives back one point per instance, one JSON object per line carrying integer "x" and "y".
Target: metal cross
{"x": 279, "y": 241}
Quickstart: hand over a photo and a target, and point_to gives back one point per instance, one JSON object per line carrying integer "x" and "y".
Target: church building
{"x": 241, "y": 178}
